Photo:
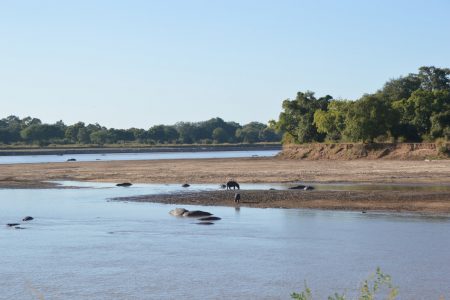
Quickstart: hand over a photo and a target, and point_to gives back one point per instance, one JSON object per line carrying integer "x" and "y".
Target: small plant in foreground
{"x": 369, "y": 289}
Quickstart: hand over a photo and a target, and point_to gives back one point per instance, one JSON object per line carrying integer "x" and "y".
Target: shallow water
{"x": 82, "y": 247}
{"x": 24, "y": 159}
{"x": 144, "y": 188}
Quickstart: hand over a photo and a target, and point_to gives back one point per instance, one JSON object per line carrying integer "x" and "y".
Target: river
{"x": 83, "y": 246}
{"x": 23, "y": 159}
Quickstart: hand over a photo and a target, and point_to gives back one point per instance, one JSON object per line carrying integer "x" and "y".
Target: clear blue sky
{"x": 140, "y": 63}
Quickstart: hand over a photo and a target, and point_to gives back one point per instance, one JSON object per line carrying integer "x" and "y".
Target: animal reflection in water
{"x": 232, "y": 184}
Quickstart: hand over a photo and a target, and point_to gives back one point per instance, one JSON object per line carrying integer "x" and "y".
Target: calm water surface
{"x": 80, "y": 246}
{"x": 24, "y": 159}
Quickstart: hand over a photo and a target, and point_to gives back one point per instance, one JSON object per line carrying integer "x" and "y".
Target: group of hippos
{"x": 17, "y": 225}
{"x": 229, "y": 185}
{"x": 204, "y": 217}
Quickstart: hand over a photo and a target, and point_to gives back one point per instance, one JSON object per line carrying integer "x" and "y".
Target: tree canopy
{"x": 412, "y": 108}
{"x": 14, "y": 130}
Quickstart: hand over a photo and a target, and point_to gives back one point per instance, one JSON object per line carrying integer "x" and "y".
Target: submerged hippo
{"x": 178, "y": 212}
{"x": 302, "y": 187}
{"x": 27, "y": 218}
{"x": 186, "y": 185}
{"x": 182, "y": 212}
{"x": 196, "y": 213}
{"x": 204, "y": 223}
{"x": 125, "y": 184}
{"x": 211, "y": 218}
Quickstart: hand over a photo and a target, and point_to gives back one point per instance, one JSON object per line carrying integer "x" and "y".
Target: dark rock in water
{"x": 196, "y": 213}
{"x": 178, "y": 212}
{"x": 210, "y": 219}
{"x": 18, "y": 227}
{"x": 28, "y": 218}
{"x": 364, "y": 212}
{"x": 186, "y": 185}
{"x": 71, "y": 159}
{"x": 125, "y": 184}
{"x": 205, "y": 223}
{"x": 237, "y": 198}
{"x": 12, "y": 224}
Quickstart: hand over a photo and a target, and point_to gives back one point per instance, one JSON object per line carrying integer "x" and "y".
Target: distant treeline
{"x": 14, "y": 130}
{"x": 413, "y": 108}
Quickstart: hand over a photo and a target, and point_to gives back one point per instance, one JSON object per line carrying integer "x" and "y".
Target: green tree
{"x": 219, "y": 135}
{"x": 433, "y": 78}
{"x": 297, "y": 117}
{"x": 72, "y": 132}
{"x": 332, "y": 121}
{"x": 400, "y": 88}
{"x": 42, "y": 133}
{"x": 100, "y": 137}
{"x": 424, "y": 112}
{"x": 367, "y": 119}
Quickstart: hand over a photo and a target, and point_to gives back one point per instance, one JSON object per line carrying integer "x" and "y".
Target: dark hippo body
{"x": 232, "y": 184}
{"x": 205, "y": 223}
{"x": 237, "y": 198}
{"x": 302, "y": 187}
{"x": 210, "y": 219}
{"x": 196, "y": 213}
{"x": 125, "y": 184}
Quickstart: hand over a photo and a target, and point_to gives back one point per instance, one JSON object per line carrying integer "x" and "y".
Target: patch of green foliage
{"x": 31, "y": 131}
{"x": 370, "y": 288}
{"x": 413, "y": 108}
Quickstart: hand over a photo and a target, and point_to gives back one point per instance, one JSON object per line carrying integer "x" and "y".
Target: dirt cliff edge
{"x": 341, "y": 151}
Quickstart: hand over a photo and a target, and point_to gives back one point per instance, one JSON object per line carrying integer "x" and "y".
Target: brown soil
{"x": 249, "y": 170}
{"x": 401, "y": 201}
{"x": 401, "y": 151}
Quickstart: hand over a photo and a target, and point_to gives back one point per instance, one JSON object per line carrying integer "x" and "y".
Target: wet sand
{"x": 257, "y": 170}
{"x": 398, "y": 201}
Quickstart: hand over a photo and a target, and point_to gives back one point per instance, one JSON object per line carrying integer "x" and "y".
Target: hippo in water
{"x": 232, "y": 184}
{"x": 302, "y": 187}
{"x": 125, "y": 184}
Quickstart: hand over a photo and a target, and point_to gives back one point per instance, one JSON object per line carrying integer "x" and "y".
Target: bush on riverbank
{"x": 376, "y": 283}
{"x": 414, "y": 108}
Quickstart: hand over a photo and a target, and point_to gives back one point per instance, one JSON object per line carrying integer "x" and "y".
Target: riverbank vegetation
{"x": 413, "y": 108}
{"x": 377, "y": 284}
{"x": 31, "y": 131}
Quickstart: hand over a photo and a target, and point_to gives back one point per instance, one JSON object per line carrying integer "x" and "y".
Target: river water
{"x": 23, "y": 159}
{"x": 82, "y": 246}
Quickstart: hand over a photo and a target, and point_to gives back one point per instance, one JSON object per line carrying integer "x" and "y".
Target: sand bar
{"x": 258, "y": 170}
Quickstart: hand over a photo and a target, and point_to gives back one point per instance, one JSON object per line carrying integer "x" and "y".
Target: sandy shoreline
{"x": 257, "y": 170}
{"x": 398, "y": 201}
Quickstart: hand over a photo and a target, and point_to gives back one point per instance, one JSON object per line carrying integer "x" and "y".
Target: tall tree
{"x": 297, "y": 117}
